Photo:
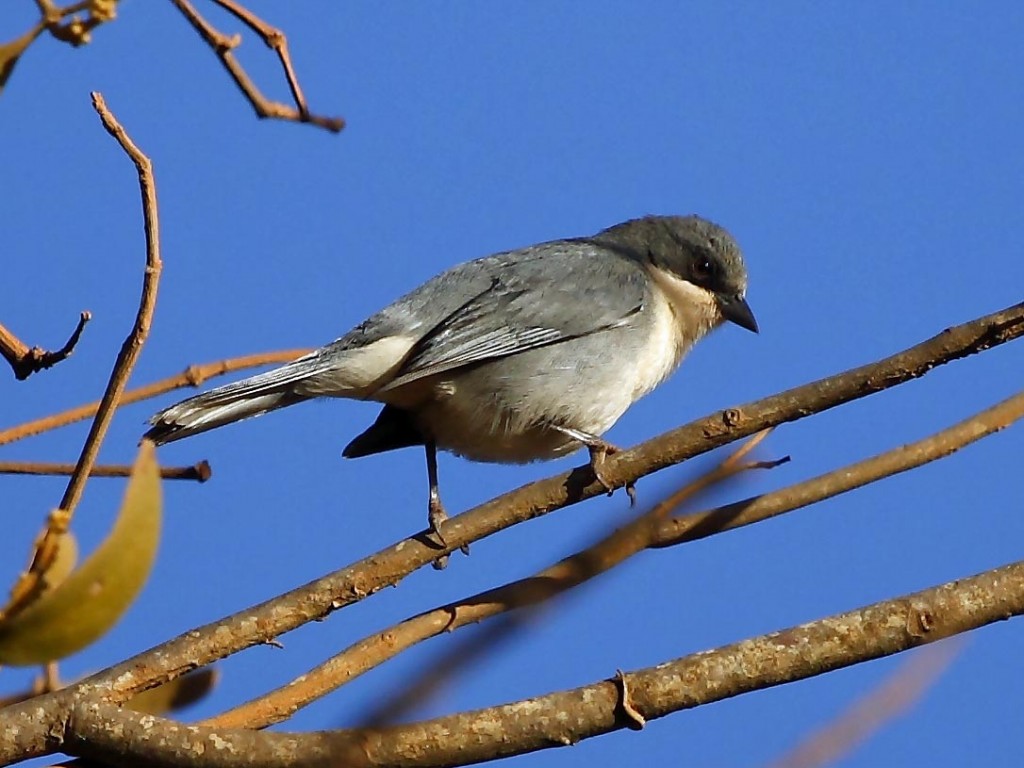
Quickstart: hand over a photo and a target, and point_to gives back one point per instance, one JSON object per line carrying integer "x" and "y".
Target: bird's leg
{"x": 435, "y": 509}
{"x": 599, "y": 449}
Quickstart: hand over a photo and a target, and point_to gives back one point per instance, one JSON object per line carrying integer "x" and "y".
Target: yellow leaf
{"x": 49, "y": 568}
{"x": 10, "y": 52}
{"x": 177, "y": 694}
{"x": 85, "y": 606}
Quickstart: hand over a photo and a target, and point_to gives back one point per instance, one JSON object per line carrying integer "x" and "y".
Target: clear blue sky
{"x": 867, "y": 159}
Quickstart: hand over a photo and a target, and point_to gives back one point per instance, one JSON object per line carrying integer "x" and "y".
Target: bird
{"x": 520, "y": 356}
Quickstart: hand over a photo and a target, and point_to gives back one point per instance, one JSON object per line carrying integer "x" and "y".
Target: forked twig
{"x": 25, "y": 360}
{"x": 224, "y": 45}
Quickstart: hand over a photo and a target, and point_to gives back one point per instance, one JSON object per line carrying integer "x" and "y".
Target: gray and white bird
{"x": 523, "y": 355}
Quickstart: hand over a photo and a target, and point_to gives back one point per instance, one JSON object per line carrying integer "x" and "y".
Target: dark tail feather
{"x": 393, "y": 429}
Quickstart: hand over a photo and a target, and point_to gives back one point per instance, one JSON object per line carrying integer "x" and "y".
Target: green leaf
{"x": 89, "y": 602}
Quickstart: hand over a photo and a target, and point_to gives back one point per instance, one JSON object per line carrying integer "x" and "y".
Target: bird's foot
{"x": 600, "y": 450}
{"x": 436, "y": 515}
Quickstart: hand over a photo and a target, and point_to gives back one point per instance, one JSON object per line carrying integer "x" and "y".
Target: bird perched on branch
{"x": 519, "y": 356}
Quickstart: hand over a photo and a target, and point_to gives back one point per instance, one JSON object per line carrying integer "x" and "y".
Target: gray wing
{"x": 535, "y": 297}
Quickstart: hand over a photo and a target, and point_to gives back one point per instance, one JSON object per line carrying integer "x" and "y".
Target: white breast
{"x": 683, "y": 313}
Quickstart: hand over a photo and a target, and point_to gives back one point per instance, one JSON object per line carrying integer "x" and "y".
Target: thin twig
{"x": 258, "y": 624}
{"x": 738, "y": 514}
{"x": 126, "y": 357}
{"x": 223, "y": 45}
{"x": 200, "y": 471}
{"x": 192, "y": 376}
{"x": 129, "y": 352}
{"x": 25, "y": 360}
{"x": 276, "y": 40}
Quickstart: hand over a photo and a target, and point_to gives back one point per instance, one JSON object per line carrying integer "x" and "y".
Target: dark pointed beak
{"x": 736, "y": 310}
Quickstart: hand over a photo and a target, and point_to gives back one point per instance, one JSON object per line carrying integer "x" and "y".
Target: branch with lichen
{"x": 77, "y": 712}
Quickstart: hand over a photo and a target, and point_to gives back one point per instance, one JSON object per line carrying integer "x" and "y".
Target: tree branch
{"x": 57, "y": 523}
{"x": 25, "y": 360}
{"x": 372, "y": 651}
{"x": 140, "y": 330}
{"x": 199, "y": 471}
{"x": 113, "y": 735}
{"x": 653, "y": 530}
{"x": 315, "y": 600}
{"x": 192, "y": 376}
{"x": 223, "y": 45}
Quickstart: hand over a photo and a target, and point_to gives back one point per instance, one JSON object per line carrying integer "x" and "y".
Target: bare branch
{"x": 200, "y": 471}
{"x": 372, "y": 651}
{"x": 808, "y": 650}
{"x": 108, "y": 733}
{"x": 57, "y": 523}
{"x": 647, "y": 531}
{"x": 25, "y": 360}
{"x": 140, "y": 330}
{"x": 223, "y": 45}
{"x": 192, "y": 376}
{"x": 315, "y": 600}
{"x": 758, "y": 508}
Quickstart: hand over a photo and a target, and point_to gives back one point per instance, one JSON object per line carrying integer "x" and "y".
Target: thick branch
{"x": 25, "y": 360}
{"x": 192, "y": 376}
{"x": 372, "y": 651}
{"x": 808, "y": 650}
{"x": 650, "y": 530}
{"x": 108, "y": 733}
{"x": 315, "y": 600}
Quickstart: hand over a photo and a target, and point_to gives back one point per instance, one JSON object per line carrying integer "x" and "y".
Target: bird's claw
{"x": 599, "y": 450}
{"x": 436, "y": 515}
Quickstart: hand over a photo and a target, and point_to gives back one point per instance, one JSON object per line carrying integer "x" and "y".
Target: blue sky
{"x": 866, "y": 158}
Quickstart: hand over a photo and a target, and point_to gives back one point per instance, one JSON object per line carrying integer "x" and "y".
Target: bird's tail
{"x": 233, "y": 402}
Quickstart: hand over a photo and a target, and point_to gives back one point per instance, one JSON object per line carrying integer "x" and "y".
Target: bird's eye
{"x": 703, "y": 268}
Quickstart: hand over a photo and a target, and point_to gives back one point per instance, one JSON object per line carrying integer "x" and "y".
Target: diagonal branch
{"x": 372, "y": 651}
{"x": 261, "y": 623}
{"x": 898, "y": 693}
{"x": 25, "y": 360}
{"x": 105, "y": 732}
{"x": 738, "y": 514}
{"x": 653, "y": 530}
{"x": 224, "y": 45}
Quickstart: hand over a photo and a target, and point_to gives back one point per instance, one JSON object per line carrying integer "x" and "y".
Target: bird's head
{"x": 696, "y": 255}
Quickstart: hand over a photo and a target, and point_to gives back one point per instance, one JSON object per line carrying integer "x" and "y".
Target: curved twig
{"x": 25, "y": 360}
